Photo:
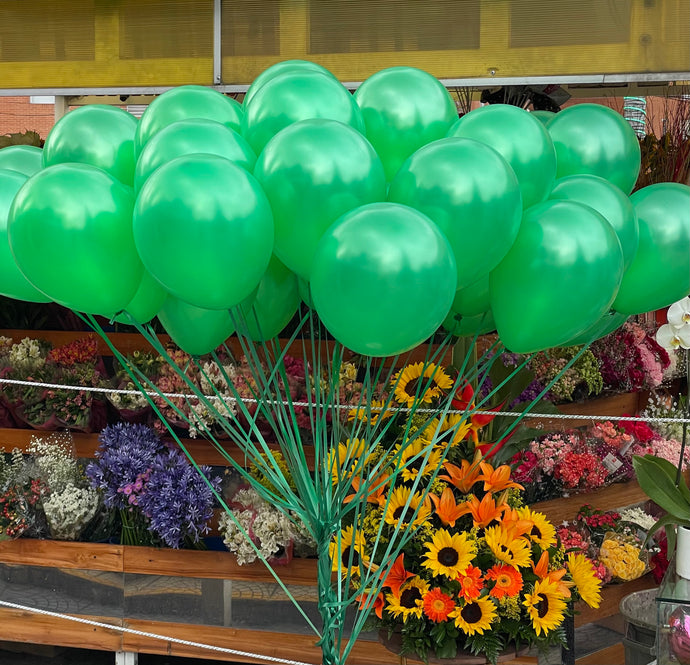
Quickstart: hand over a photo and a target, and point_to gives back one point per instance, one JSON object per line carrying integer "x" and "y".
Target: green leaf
{"x": 660, "y": 487}
{"x": 672, "y": 471}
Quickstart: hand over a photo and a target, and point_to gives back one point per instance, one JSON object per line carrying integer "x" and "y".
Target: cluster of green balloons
{"x": 381, "y": 210}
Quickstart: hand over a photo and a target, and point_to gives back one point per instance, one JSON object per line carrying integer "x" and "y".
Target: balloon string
{"x": 349, "y": 407}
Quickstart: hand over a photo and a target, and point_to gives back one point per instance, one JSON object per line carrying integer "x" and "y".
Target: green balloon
{"x": 543, "y": 116}
{"x": 276, "y": 302}
{"x": 466, "y": 326}
{"x": 304, "y": 289}
{"x": 607, "y": 199}
{"x": 146, "y": 303}
{"x": 404, "y": 108}
{"x": 313, "y": 172}
{"x": 70, "y": 230}
{"x": 281, "y": 68}
{"x": 383, "y": 279}
{"x": 595, "y": 139}
{"x": 98, "y": 135}
{"x": 195, "y": 330}
{"x": 26, "y": 159}
{"x": 294, "y": 96}
{"x": 660, "y": 272}
{"x": 522, "y": 141}
{"x": 558, "y": 279}
{"x": 188, "y": 137}
{"x": 182, "y": 103}
{"x": 472, "y": 300}
{"x": 473, "y": 196}
{"x": 607, "y": 324}
{"x": 204, "y": 230}
{"x": 13, "y": 284}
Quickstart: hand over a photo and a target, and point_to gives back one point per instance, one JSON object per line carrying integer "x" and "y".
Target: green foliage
{"x": 27, "y": 137}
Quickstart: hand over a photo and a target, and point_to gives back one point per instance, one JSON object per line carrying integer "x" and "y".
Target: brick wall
{"x": 17, "y": 114}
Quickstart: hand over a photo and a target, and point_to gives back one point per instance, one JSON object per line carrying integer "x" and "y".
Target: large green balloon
{"x": 607, "y": 199}
{"x": 313, "y": 172}
{"x": 304, "y": 289}
{"x": 276, "y": 302}
{"x": 195, "y": 330}
{"x": 660, "y": 272}
{"x": 543, "y": 116}
{"x": 522, "y": 141}
{"x": 472, "y": 300}
{"x": 99, "y": 135}
{"x": 294, "y": 96}
{"x": 559, "y": 277}
{"x": 404, "y": 108}
{"x": 607, "y": 324}
{"x": 12, "y": 281}
{"x": 383, "y": 279}
{"x": 473, "y": 196}
{"x": 26, "y": 159}
{"x": 146, "y": 302}
{"x": 595, "y": 139}
{"x": 187, "y": 101}
{"x": 204, "y": 230}
{"x": 281, "y": 68}
{"x": 188, "y": 137}
{"x": 465, "y": 326}
{"x": 70, "y": 230}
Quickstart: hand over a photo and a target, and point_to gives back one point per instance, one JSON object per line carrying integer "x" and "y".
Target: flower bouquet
{"x": 135, "y": 407}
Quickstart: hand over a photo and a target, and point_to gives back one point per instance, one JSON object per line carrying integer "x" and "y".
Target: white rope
{"x": 515, "y": 414}
{"x": 141, "y": 633}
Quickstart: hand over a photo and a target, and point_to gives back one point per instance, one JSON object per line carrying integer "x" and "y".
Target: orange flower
{"x": 508, "y": 581}
{"x": 437, "y": 605}
{"x": 513, "y": 522}
{"x": 541, "y": 570}
{"x": 377, "y": 495}
{"x": 484, "y": 512}
{"x": 447, "y": 509}
{"x": 463, "y": 477}
{"x": 397, "y": 575}
{"x": 378, "y": 605}
{"x": 471, "y": 583}
{"x": 498, "y": 479}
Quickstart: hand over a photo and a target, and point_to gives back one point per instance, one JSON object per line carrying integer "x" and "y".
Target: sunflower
{"x": 348, "y": 553}
{"x": 471, "y": 583}
{"x": 475, "y": 617}
{"x": 437, "y": 605}
{"x": 587, "y": 583}
{"x": 412, "y": 460}
{"x": 371, "y": 413}
{"x": 346, "y": 455}
{"x": 409, "y": 601}
{"x": 398, "y": 513}
{"x": 420, "y": 383}
{"x": 513, "y": 551}
{"x": 508, "y": 581}
{"x": 449, "y": 554}
{"x": 542, "y": 532}
{"x": 449, "y": 430}
{"x": 545, "y": 607}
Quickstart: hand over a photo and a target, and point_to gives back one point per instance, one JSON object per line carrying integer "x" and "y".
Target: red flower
{"x": 641, "y": 431}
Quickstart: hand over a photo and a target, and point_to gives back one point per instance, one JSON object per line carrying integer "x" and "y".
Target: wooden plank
{"x": 612, "y": 497}
{"x": 213, "y": 565}
{"x": 21, "y": 626}
{"x": 613, "y": 655}
{"x": 62, "y": 554}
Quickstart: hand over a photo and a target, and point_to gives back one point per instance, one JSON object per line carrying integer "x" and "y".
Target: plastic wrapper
{"x": 624, "y": 556}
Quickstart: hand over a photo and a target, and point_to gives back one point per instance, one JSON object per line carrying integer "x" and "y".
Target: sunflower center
{"x": 409, "y": 597}
{"x": 504, "y": 549}
{"x": 403, "y": 514}
{"x": 411, "y": 387}
{"x": 415, "y": 464}
{"x": 535, "y": 532}
{"x": 471, "y": 613}
{"x": 345, "y": 558}
{"x": 542, "y": 606}
{"x": 448, "y": 556}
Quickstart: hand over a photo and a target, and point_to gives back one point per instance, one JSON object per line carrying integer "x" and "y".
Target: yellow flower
{"x": 411, "y": 468}
{"x": 545, "y": 607}
{"x": 475, "y": 617}
{"x": 542, "y": 532}
{"x": 397, "y": 513}
{"x": 420, "y": 383}
{"x": 409, "y": 601}
{"x": 348, "y": 553}
{"x": 346, "y": 454}
{"x": 372, "y": 413}
{"x": 452, "y": 429}
{"x": 449, "y": 554}
{"x": 587, "y": 583}
{"x": 515, "y": 552}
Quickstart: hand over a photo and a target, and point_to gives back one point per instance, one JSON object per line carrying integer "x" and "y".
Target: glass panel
{"x": 250, "y": 27}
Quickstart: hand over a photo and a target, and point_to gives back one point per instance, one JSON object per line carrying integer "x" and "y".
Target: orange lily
{"x": 464, "y": 476}
{"x": 376, "y": 496}
{"x": 484, "y": 512}
{"x": 497, "y": 479}
{"x": 378, "y": 605}
{"x": 515, "y": 524}
{"x": 541, "y": 570}
{"x": 397, "y": 575}
{"x": 447, "y": 509}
